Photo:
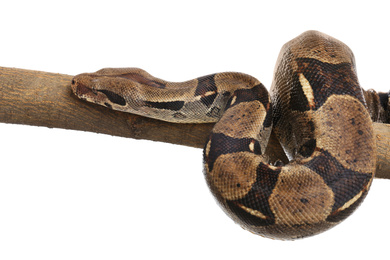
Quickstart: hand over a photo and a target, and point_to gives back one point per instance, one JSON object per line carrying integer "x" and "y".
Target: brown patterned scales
{"x": 318, "y": 113}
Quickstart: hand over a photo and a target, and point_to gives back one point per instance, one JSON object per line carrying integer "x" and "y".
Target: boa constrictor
{"x": 316, "y": 108}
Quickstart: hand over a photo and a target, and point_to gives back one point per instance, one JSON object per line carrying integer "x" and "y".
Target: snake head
{"x": 105, "y": 89}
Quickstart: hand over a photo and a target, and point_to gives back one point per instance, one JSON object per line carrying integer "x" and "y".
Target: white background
{"x": 75, "y": 195}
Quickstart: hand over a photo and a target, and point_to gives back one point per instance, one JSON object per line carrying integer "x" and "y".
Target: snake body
{"x": 316, "y": 108}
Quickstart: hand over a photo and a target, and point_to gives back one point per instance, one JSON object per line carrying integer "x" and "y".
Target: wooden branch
{"x": 45, "y": 99}
{"x": 382, "y": 132}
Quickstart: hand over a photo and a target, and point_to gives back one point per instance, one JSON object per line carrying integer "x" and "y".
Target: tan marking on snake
{"x": 307, "y": 90}
{"x": 238, "y": 116}
{"x": 252, "y": 146}
{"x": 234, "y": 174}
{"x": 253, "y": 212}
{"x": 347, "y": 148}
{"x": 233, "y": 100}
{"x": 299, "y": 196}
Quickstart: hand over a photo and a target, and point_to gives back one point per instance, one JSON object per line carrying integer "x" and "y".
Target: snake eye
{"x": 73, "y": 82}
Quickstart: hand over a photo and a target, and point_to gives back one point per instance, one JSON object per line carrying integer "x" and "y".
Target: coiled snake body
{"x": 317, "y": 110}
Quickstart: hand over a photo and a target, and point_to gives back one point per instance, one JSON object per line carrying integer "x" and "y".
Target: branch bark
{"x": 382, "y": 133}
{"x": 45, "y": 99}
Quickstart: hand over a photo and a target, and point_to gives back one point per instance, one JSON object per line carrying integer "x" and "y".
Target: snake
{"x": 318, "y": 111}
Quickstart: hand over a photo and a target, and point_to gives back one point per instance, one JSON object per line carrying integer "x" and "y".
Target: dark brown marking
{"x": 298, "y": 99}
{"x": 257, "y": 197}
{"x": 325, "y": 80}
{"x": 384, "y": 100}
{"x": 308, "y": 148}
{"x": 345, "y": 183}
{"x": 173, "y": 105}
{"x": 222, "y": 144}
{"x": 256, "y": 147}
{"x": 259, "y": 93}
{"x": 113, "y": 97}
{"x": 304, "y": 200}
{"x": 268, "y": 118}
{"x": 207, "y": 85}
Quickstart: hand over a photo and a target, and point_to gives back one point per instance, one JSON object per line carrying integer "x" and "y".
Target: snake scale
{"x": 315, "y": 106}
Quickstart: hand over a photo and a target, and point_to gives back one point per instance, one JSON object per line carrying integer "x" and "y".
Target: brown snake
{"x": 317, "y": 110}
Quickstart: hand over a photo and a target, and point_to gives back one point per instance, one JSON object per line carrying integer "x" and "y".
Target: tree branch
{"x": 45, "y": 99}
{"x": 382, "y": 132}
